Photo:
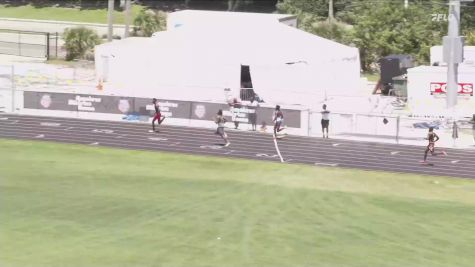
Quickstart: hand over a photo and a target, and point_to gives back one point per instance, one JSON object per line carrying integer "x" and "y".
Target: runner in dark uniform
{"x": 325, "y": 120}
{"x": 278, "y": 120}
{"x": 432, "y": 138}
{"x": 158, "y": 115}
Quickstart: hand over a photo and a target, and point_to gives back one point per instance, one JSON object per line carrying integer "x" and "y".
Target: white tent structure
{"x": 202, "y": 56}
{"x": 436, "y": 55}
{"x": 210, "y": 19}
{"x": 426, "y": 89}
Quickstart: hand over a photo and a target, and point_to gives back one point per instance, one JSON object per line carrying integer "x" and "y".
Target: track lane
{"x": 370, "y": 156}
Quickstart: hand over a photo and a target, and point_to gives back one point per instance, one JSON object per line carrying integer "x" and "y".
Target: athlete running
{"x": 158, "y": 116}
{"x": 432, "y": 138}
{"x": 220, "y": 120}
{"x": 278, "y": 120}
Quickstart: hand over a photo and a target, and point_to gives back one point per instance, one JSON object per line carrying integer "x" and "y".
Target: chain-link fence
{"x": 31, "y": 44}
{"x": 6, "y": 88}
{"x": 15, "y": 79}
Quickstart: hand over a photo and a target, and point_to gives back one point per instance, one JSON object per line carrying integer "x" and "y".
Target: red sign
{"x": 441, "y": 88}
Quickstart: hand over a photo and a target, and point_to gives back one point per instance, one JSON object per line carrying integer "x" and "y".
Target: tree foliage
{"x": 379, "y": 27}
{"x": 79, "y": 41}
{"x": 470, "y": 38}
{"x": 332, "y": 30}
{"x": 266, "y": 6}
{"x": 382, "y": 28}
{"x": 148, "y": 21}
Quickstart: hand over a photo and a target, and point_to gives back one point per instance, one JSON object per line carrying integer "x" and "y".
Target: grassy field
{"x": 64, "y": 14}
{"x": 371, "y": 76}
{"x": 69, "y": 205}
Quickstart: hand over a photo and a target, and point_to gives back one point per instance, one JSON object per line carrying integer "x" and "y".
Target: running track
{"x": 294, "y": 149}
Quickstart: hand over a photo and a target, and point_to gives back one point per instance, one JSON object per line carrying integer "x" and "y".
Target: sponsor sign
{"x": 143, "y": 107}
{"x": 84, "y": 103}
{"x": 437, "y": 88}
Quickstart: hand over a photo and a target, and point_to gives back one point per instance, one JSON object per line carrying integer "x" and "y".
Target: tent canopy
{"x": 287, "y": 65}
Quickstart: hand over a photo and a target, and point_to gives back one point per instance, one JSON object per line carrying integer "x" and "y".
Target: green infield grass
{"x": 70, "y": 205}
{"x": 65, "y": 14}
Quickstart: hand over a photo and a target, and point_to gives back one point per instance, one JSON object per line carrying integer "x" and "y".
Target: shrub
{"x": 78, "y": 41}
{"x": 147, "y": 22}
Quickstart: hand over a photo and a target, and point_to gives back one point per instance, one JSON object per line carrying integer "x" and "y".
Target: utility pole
{"x": 453, "y": 54}
{"x": 110, "y": 19}
{"x": 330, "y": 10}
{"x": 127, "y": 18}
{"x": 406, "y": 3}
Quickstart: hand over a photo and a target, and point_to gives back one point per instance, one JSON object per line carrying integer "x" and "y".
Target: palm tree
{"x": 146, "y": 22}
{"x": 78, "y": 41}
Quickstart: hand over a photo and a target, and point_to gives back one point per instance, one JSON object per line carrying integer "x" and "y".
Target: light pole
{"x": 453, "y": 55}
{"x": 330, "y": 10}
{"x": 127, "y": 18}
{"x": 110, "y": 19}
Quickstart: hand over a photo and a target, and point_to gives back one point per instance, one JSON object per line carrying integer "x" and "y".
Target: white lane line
{"x": 455, "y": 161}
{"x": 40, "y": 136}
{"x": 3, "y": 118}
{"x": 94, "y": 144}
{"x": 267, "y": 155}
{"x": 335, "y": 144}
{"x": 214, "y": 147}
{"x": 395, "y": 152}
{"x": 326, "y": 164}
{"x": 157, "y": 139}
{"x": 50, "y": 124}
{"x": 277, "y": 149}
{"x": 106, "y": 131}
{"x": 122, "y": 136}
{"x": 174, "y": 144}
{"x": 69, "y": 128}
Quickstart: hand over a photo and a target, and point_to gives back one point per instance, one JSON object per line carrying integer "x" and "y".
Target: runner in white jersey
{"x": 253, "y": 113}
{"x": 221, "y": 121}
{"x": 325, "y": 120}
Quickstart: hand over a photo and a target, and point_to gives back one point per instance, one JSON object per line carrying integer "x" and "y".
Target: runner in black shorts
{"x": 432, "y": 138}
{"x": 325, "y": 120}
{"x": 158, "y": 115}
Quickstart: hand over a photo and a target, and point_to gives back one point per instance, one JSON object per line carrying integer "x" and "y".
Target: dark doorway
{"x": 247, "y": 90}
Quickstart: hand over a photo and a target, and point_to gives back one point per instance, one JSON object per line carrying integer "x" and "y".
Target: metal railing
{"x": 392, "y": 128}
{"x": 30, "y": 44}
{"x": 15, "y": 80}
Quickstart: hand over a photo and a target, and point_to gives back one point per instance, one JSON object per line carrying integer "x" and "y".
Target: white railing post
{"x": 13, "y": 88}
{"x": 398, "y": 120}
